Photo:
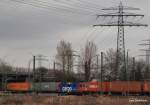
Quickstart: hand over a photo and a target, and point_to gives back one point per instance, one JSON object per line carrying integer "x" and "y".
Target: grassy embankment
{"x": 71, "y": 100}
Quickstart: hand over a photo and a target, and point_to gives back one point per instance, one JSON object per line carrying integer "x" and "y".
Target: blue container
{"x": 67, "y": 87}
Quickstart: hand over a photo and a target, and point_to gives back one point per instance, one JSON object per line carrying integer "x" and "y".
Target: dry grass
{"x": 70, "y": 100}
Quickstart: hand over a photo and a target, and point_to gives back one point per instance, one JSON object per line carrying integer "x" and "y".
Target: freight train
{"x": 114, "y": 87}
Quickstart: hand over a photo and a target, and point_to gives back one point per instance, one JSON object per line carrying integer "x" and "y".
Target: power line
{"x": 61, "y": 8}
{"x": 85, "y": 4}
{"x": 86, "y": 35}
{"x": 49, "y": 7}
{"x": 90, "y": 32}
{"x": 59, "y": 14}
{"x": 56, "y": 13}
{"x": 107, "y": 40}
{"x": 91, "y": 3}
{"x": 75, "y": 4}
{"x": 100, "y": 31}
{"x": 67, "y": 6}
{"x": 35, "y": 5}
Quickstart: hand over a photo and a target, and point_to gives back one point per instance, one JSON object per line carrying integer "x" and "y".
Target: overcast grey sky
{"x": 27, "y": 29}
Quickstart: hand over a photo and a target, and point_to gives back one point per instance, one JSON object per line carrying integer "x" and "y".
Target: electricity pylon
{"x": 147, "y": 51}
{"x": 120, "y": 23}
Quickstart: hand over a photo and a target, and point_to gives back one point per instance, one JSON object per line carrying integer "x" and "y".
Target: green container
{"x": 45, "y": 86}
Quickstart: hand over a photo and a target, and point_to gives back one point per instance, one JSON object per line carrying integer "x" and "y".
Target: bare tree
{"x": 135, "y": 70}
{"x": 147, "y": 73}
{"x": 5, "y": 68}
{"x": 109, "y": 65}
{"x": 87, "y": 58}
{"x": 64, "y": 57}
{"x": 139, "y": 70}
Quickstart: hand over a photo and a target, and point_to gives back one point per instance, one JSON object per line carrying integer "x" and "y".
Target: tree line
{"x": 86, "y": 65}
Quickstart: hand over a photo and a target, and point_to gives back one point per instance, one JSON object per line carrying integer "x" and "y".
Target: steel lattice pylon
{"x": 120, "y": 58}
{"x": 120, "y": 14}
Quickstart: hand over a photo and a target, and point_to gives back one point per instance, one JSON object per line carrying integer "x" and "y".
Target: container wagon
{"x": 124, "y": 87}
{"x": 19, "y": 87}
{"x": 146, "y": 87}
{"x": 45, "y": 87}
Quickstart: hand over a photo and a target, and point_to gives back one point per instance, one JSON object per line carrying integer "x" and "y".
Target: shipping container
{"x": 45, "y": 86}
{"x": 116, "y": 86}
{"x": 146, "y": 87}
{"x": 133, "y": 87}
{"x": 125, "y": 86}
{"x": 104, "y": 86}
{"x": 24, "y": 86}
